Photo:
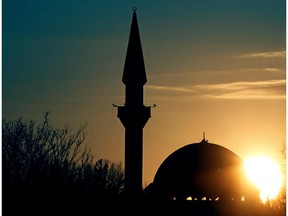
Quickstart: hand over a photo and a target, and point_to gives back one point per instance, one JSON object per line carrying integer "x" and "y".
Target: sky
{"x": 213, "y": 66}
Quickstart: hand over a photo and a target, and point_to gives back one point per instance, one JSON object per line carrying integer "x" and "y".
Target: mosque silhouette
{"x": 200, "y": 178}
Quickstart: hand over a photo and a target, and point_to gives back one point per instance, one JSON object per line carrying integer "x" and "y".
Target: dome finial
{"x": 134, "y": 9}
{"x": 204, "y": 140}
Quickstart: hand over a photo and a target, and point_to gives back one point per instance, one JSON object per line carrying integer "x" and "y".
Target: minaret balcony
{"x": 134, "y": 116}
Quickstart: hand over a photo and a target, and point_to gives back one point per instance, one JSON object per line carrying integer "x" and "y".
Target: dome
{"x": 203, "y": 170}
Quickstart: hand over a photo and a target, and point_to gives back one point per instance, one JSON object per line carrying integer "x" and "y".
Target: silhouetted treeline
{"x": 279, "y": 204}
{"x": 50, "y": 171}
{"x": 42, "y": 164}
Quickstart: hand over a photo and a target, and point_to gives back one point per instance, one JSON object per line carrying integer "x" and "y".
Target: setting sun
{"x": 265, "y": 175}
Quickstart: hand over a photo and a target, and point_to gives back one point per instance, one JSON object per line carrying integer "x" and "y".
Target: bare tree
{"x": 278, "y": 205}
{"x": 40, "y": 161}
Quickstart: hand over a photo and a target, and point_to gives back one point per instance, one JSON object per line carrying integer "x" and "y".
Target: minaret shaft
{"x": 134, "y": 95}
{"x": 134, "y": 119}
{"x": 133, "y": 160}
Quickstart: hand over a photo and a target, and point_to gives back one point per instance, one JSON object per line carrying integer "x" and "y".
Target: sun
{"x": 265, "y": 174}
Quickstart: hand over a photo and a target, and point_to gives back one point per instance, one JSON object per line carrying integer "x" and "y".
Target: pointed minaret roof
{"x": 134, "y": 68}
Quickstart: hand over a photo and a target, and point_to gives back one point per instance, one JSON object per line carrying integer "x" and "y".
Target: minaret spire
{"x": 134, "y": 115}
{"x": 134, "y": 68}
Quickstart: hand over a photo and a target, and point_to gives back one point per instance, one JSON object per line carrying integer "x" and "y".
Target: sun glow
{"x": 265, "y": 174}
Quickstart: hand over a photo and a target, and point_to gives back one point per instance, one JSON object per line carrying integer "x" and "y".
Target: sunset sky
{"x": 212, "y": 65}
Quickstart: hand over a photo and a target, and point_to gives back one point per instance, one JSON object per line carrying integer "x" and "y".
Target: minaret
{"x": 134, "y": 115}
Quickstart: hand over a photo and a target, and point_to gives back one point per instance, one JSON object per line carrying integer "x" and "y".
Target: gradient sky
{"x": 217, "y": 66}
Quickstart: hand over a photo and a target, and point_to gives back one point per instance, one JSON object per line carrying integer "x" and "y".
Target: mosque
{"x": 197, "y": 173}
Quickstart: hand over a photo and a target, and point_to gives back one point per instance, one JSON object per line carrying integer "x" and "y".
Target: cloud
{"x": 275, "y": 54}
{"x": 270, "y": 89}
{"x": 170, "y": 88}
{"x": 273, "y": 69}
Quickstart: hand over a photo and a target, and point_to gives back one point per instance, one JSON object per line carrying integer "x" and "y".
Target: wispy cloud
{"x": 273, "y": 69}
{"x": 275, "y": 54}
{"x": 270, "y": 89}
{"x": 171, "y": 88}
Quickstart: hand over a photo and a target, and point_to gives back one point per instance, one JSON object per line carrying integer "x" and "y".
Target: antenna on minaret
{"x": 204, "y": 135}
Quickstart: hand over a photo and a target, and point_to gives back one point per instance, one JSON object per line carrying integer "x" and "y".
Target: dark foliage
{"x": 45, "y": 165}
{"x": 278, "y": 205}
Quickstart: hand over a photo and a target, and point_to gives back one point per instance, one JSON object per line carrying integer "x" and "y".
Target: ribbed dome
{"x": 203, "y": 170}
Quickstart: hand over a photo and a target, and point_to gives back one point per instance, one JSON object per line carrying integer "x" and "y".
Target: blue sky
{"x": 214, "y": 66}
